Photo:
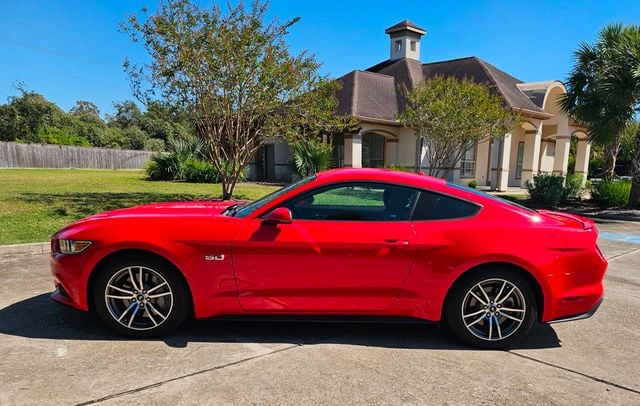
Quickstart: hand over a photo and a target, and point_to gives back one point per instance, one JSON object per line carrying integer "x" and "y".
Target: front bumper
{"x": 580, "y": 316}
{"x": 69, "y": 281}
{"x": 61, "y": 296}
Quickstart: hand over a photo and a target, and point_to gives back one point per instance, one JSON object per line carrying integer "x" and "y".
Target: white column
{"x": 494, "y": 148}
{"x": 561, "y": 157}
{"x": 353, "y": 150}
{"x": 482, "y": 163}
{"x": 563, "y": 144}
{"x": 531, "y": 161}
{"x": 504, "y": 153}
{"x": 582, "y": 159}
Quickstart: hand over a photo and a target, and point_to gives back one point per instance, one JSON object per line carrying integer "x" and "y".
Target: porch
{"x": 542, "y": 144}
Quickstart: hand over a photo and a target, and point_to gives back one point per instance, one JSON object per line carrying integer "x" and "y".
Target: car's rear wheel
{"x": 491, "y": 308}
{"x": 140, "y": 297}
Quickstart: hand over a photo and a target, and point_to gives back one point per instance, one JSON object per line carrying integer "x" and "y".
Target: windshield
{"x": 245, "y": 209}
{"x": 490, "y": 196}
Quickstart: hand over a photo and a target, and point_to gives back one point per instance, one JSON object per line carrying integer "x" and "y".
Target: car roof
{"x": 380, "y": 175}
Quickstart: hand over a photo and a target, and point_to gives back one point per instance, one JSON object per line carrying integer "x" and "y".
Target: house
{"x": 374, "y": 98}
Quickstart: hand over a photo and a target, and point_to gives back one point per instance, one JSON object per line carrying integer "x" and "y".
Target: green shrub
{"x": 573, "y": 188}
{"x": 587, "y": 184}
{"x": 611, "y": 193}
{"x": 400, "y": 168}
{"x": 169, "y": 165}
{"x": 184, "y": 162}
{"x": 311, "y": 156}
{"x": 547, "y": 189}
{"x": 186, "y": 148}
{"x": 164, "y": 166}
{"x": 197, "y": 171}
{"x": 472, "y": 184}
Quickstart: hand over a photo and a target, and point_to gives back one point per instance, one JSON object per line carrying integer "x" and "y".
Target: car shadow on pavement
{"x": 40, "y": 317}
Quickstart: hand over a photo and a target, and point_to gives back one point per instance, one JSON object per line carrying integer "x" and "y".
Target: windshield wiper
{"x": 233, "y": 209}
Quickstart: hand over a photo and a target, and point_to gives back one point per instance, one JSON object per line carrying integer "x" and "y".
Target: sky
{"x": 72, "y": 50}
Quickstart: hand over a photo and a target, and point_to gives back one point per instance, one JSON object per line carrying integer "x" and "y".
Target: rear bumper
{"x": 579, "y": 316}
{"x": 574, "y": 282}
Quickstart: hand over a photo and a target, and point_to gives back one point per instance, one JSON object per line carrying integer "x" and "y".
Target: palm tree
{"x": 603, "y": 91}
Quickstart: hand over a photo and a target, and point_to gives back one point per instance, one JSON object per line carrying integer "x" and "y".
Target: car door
{"x": 349, "y": 248}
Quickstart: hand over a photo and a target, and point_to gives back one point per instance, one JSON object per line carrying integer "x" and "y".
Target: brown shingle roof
{"x": 368, "y": 94}
{"x": 376, "y": 92}
{"x": 481, "y": 71}
{"x": 404, "y": 25}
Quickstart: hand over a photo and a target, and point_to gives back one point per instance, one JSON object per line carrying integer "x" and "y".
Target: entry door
{"x": 325, "y": 260}
{"x": 270, "y": 162}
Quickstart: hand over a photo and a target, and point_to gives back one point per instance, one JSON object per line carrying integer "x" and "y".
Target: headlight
{"x": 72, "y": 246}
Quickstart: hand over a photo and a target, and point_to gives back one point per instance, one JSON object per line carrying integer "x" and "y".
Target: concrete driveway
{"x": 54, "y": 355}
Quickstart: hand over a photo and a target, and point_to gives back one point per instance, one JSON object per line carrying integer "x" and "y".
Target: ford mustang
{"x": 356, "y": 243}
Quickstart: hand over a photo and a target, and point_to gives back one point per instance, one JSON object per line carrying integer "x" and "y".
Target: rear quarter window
{"x": 434, "y": 206}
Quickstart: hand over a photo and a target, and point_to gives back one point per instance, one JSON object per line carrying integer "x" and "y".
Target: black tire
{"x": 495, "y": 327}
{"x": 170, "y": 300}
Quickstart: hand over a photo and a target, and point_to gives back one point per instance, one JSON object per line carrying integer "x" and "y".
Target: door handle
{"x": 394, "y": 243}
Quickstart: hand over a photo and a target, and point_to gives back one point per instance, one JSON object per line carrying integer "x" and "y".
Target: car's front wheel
{"x": 491, "y": 308}
{"x": 140, "y": 297}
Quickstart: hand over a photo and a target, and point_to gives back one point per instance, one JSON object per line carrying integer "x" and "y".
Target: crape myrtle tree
{"x": 453, "y": 116}
{"x": 234, "y": 74}
{"x": 603, "y": 92}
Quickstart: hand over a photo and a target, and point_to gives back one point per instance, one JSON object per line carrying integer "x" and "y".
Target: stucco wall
{"x": 401, "y": 154}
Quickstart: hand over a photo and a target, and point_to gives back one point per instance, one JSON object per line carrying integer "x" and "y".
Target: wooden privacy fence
{"x": 17, "y": 155}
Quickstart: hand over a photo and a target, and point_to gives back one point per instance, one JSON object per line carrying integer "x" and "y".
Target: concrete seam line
{"x": 593, "y": 378}
{"x": 621, "y": 280}
{"x": 203, "y": 371}
{"x": 623, "y": 254}
{"x": 36, "y": 247}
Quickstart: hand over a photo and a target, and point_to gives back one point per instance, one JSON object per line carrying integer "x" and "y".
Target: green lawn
{"x": 34, "y": 203}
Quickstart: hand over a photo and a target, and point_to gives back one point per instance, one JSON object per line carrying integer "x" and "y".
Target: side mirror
{"x": 281, "y": 215}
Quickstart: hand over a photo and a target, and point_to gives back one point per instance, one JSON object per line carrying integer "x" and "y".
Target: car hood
{"x": 206, "y": 208}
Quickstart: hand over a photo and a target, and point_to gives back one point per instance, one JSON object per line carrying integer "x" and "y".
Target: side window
{"x": 355, "y": 202}
{"x": 434, "y": 206}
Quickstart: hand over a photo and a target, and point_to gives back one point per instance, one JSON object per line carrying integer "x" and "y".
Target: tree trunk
{"x": 610, "y": 156}
{"x": 227, "y": 190}
{"x": 634, "y": 196}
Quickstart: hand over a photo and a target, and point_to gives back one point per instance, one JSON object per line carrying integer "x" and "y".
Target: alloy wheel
{"x": 138, "y": 298}
{"x": 493, "y": 309}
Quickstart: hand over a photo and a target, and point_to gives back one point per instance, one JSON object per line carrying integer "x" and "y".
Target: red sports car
{"x": 350, "y": 242}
